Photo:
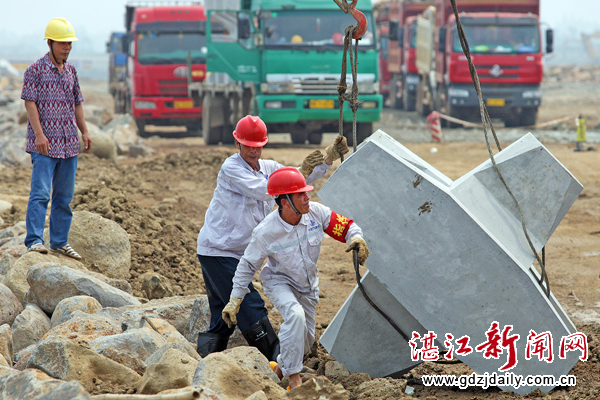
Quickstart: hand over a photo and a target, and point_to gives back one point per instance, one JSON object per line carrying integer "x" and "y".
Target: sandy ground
{"x": 161, "y": 200}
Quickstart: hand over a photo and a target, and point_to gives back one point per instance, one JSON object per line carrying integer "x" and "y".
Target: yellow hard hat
{"x": 296, "y": 39}
{"x": 60, "y": 30}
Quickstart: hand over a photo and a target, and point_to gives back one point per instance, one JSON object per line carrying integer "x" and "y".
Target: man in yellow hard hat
{"x": 54, "y": 112}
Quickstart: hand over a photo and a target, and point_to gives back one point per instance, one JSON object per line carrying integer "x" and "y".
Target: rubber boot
{"x": 262, "y": 336}
{"x": 211, "y": 343}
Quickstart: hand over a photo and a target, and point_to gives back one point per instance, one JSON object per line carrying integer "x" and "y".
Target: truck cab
{"x": 281, "y": 60}
{"x": 161, "y": 41}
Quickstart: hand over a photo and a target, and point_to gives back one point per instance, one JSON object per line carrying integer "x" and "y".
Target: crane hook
{"x": 360, "y": 18}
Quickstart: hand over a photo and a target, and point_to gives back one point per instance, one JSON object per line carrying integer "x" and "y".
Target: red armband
{"x": 338, "y": 226}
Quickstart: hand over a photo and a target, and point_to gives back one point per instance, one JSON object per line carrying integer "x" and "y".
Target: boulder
{"x": 6, "y": 344}
{"x": 334, "y": 369}
{"x": 4, "y": 370}
{"x": 6, "y": 263}
{"x": 318, "y": 388}
{"x": 15, "y": 251}
{"x": 4, "y": 207}
{"x": 129, "y": 348}
{"x": 29, "y": 327}
{"x": 251, "y": 358}
{"x": 162, "y": 376}
{"x": 66, "y": 307}
{"x": 12, "y": 231}
{"x": 16, "y": 277}
{"x": 156, "y": 286}
{"x": 181, "y": 347}
{"x": 37, "y": 385}
{"x": 10, "y": 306}
{"x": 50, "y": 283}
{"x": 199, "y": 321}
{"x": 102, "y": 243}
{"x": 177, "y": 357}
{"x": 103, "y": 146}
{"x": 22, "y": 357}
{"x": 175, "y": 310}
{"x": 215, "y": 372}
{"x": 74, "y": 360}
{"x": 85, "y": 327}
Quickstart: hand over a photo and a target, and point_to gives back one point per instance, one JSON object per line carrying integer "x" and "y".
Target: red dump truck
{"x": 398, "y": 74}
{"x": 161, "y": 40}
{"x": 505, "y": 42}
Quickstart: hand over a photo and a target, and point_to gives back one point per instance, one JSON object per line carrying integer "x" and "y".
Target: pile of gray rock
{"x": 69, "y": 329}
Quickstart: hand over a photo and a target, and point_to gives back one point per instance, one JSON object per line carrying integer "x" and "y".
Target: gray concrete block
{"x": 452, "y": 254}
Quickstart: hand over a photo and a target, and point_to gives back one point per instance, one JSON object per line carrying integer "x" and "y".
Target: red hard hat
{"x": 287, "y": 180}
{"x": 251, "y": 131}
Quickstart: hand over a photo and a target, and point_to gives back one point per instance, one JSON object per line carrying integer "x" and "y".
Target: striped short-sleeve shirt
{"x": 55, "y": 95}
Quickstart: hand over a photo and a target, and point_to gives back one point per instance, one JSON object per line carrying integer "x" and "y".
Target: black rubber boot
{"x": 262, "y": 336}
{"x": 211, "y": 343}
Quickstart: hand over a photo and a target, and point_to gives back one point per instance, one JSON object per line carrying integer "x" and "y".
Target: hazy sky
{"x": 24, "y": 21}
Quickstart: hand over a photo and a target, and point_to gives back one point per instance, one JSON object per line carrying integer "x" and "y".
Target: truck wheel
{"x": 528, "y": 116}
{"x": 141, "y": 125}
{"x": 410, "y": 100}
{"x": 299, "y": 137}
{"x": 212, "y": 118}
{"x": 363, "y": 131}
{"x": 315, "y": 137}
{"x": 511, "y": 120}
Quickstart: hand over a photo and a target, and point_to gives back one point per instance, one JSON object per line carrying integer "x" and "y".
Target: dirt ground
{"x": 161, "y": 201}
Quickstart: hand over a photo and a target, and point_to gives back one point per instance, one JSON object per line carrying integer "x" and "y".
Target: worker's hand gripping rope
{"x": 357, "y": 243}
{"x": 310, "y": 162}
{"x": 337, "y": 149}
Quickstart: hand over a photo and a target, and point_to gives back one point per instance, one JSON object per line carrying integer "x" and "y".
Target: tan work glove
{"x": 338, "y": 148}
{"x": 230, "y": 311}
{"x": 358, "y": 243}
{"x": 310, "y": 162}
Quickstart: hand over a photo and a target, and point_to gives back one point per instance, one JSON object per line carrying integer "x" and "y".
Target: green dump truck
{"x": 282, "y": 60}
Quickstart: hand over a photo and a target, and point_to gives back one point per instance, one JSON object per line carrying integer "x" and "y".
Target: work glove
{"x": 338, "y": 148}
{"x": 358, "y": 243}
{"x": 230, "y": 311}
{"x": 310, "y": 162}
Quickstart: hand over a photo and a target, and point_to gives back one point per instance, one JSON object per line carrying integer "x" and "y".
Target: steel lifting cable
{"x": 485, "y": 118}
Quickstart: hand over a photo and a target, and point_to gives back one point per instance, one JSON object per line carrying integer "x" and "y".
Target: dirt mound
{"x": 162, "y": 227}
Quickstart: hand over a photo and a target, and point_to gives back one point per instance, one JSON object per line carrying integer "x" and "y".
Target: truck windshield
{"x": 504, "y": 39}
{"x": 171, "y": 47}
{"x": 309, "y": 28}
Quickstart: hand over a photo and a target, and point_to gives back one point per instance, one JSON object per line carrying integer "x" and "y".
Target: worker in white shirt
{"x": 240, "y": 202}
{"x": 290, "y": 238}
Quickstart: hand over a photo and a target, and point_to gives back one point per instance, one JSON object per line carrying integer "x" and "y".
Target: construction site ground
{"x": 175, "y": 185}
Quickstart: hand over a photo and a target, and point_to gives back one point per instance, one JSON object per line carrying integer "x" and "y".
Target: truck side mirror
{"x": 243, "y": 27}
{"x": 549, "y": 41}
{"x": 442, "y": 40}
{"x": 125, "y": 44}
{"x": 108, "y": 46}
{"x": 393, "y": 32}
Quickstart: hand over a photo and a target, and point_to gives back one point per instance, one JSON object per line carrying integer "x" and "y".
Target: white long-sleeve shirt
{"x": 240, "y": 202}
{"x": 292, "y": 251}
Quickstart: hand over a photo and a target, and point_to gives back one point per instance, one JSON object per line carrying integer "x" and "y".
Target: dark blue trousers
{"x": 218, "y": 275}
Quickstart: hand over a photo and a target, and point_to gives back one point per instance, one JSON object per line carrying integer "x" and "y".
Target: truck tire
{"x": 212, "y": 118}
{"x": 410, "y": 100}
{"x": 141, "y": 126}
{"x": 299, "y": 137}
{"x": 315, "y": 137}
{"x": 528, "y": 116}
{"x": 363, "y": 131}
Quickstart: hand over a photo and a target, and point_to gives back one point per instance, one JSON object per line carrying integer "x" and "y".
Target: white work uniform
{"x": 239, "y": 203}
{"x": 290, "y": 276}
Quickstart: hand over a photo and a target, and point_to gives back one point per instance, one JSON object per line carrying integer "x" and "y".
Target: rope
{"x": 343, "y": 87}
{"x": 485, "y": 118}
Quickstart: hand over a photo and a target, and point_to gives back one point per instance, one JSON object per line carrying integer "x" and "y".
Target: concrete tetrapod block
{"x": 453, "y": 255}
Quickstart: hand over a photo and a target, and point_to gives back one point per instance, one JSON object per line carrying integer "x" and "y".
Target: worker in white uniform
{"x": 290, "y": 238}
{"x": 239, "y": 203}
